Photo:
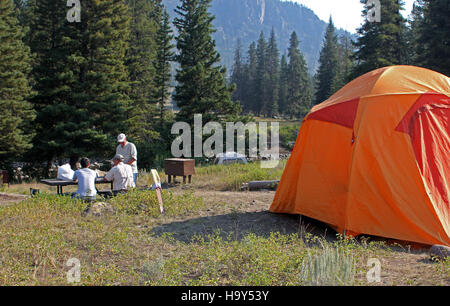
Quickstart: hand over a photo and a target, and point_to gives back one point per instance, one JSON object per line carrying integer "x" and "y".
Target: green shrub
{"x": 153, "y": 270}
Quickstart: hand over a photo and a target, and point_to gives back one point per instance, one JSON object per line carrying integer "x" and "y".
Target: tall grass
{"x": 231, "y": 177}
{"x": 333, "y": 267}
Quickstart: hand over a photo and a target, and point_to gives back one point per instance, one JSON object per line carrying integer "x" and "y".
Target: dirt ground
{"x": 8, "y": 199}
{"x": 238, "y": 214}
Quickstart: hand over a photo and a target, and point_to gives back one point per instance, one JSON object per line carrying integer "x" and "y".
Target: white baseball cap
{"x": 121, "y": 138}
{"x": 118, "y": 157}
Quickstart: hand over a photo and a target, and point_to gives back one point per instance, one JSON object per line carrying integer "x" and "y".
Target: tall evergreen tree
{"x": 346, "y": 63}
{"x": 299, "y": 84}
{"x": 262, "y": 76}
{"x": 24, "y": 12}
{"x": 201, "y": 80}
{"x": 20, "y": 7}
{"x": 415, "y": 20}
{"x": 328, "y": 73}
{"x": 140, "y": 57}
{"x": 381, "y": 43}
{"x": 237, "y": 75}
{"x": 16, "y": 112}
{"x": 433, "y": 45}
{"x": 251, "y": 96}
{"x": 81, "y": 79}
{"x": 164, "y": 57}
{"x": 54, "y": 77}
{"x": 283, "y": 87}
{"x": 273, "y": 71}
{"x": 103, "y": 82}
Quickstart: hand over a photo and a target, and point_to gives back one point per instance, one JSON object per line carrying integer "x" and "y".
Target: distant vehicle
{"x": 230, "y": 158}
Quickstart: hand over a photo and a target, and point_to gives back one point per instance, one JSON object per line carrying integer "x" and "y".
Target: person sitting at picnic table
{"x": 129, "y": 153}
{"x": 121, "y": 175}
{"x": 86, "y": 181}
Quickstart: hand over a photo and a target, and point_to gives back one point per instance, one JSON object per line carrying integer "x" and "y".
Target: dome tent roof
{"x": 373, "y": 158}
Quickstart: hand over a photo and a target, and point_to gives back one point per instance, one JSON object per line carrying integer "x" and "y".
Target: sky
{"x": 346, "y": 14}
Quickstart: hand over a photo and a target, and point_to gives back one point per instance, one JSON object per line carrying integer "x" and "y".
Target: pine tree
{"x": 54, "y": 77}
{"x": 273, "y": 70}
{"x": 250, "y": 95}
{"x": 237, "y": 75}
{"x": 201, "y": 88}
{"x": 382, "y": 43}
{"x": 24, "y": 10}
{"x": 346, "y": 63}
{"x": 16, "y": 112}
{"x": 164, "y": 57}
{"x": 415, "y": 20}
{"x": 81, "y": 79}
{"x": 102, "y": 87}
{"x": 140, "y": 57}
{"x": 433, "y": 44}
{"x": 299, "y": 84}
{"x": 262, "y": 76}
{"x": 284, "y": 70}
{"x": 24, "y": 13}
{"x": 328, "y": 73}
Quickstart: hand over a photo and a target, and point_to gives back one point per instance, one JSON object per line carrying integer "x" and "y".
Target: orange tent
{"x": 375, "y": 158}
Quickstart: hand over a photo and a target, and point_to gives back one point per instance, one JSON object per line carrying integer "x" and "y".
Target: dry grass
{"x": 231, "y": 177}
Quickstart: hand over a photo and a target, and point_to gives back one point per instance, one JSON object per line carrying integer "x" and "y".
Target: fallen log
{"x": 258, "y": 185}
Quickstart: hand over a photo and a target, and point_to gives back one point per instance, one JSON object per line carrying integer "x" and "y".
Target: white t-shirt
{"x": 122, "y": 177}
{"x": 128, "y": 151}
{"x": 86, "y": 182}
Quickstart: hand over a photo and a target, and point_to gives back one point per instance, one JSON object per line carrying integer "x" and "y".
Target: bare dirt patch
{"x": 414, "y": 268}
{"x": 8, "y": 199}
{"x": 237, "y": 214}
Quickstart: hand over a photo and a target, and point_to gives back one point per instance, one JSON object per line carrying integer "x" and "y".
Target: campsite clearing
{"x": 207, "y": 237}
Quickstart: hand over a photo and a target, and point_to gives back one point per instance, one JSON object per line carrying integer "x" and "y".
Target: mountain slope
{"x": 245, "y": 19}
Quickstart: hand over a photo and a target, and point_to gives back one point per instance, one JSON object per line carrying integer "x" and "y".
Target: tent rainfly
{"x": 375, "y": 158}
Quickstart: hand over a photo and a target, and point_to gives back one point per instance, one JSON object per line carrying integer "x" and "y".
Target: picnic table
{"x": 61, "y": 183}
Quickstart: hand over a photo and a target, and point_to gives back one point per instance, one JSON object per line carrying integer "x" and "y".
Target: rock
{"x": 440, "y": 251}
{"x": 98, "y": 209}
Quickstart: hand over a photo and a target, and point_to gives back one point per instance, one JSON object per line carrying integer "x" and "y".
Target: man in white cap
{"x": 121, "y": 175}
{"x": 129, "y": 153}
